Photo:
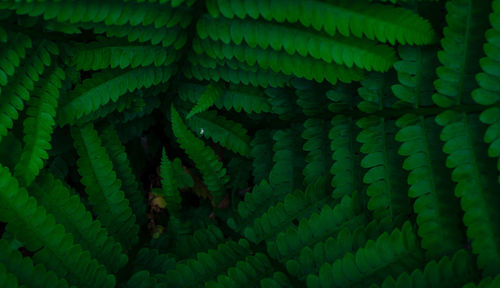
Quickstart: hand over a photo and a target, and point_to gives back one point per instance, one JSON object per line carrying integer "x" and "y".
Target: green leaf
{"x": 207, "y": 99}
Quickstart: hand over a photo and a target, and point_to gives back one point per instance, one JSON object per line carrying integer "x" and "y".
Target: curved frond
{"x": 22, "y": 82}
{"x": 400, "y": 249}
{"x": 279, "y": 62}
{"x": 454, "y": 272}
{"x": 461, "y": 50}
{"x": 110, "y": 54}
{"x": 211, "y": 93}
{"x": 227, "y": 133}
{"x": 387, "y": 187}
{"x": 108, "y": 86}
{"x": 169, "y": 186}
{"x": 102, "y": 186}
{"x": 214, "y": 175}
{"x": 72, "y": 214}
{"x": 362, "y": 53}
{"x": 430, "y": 184}
{"x": 476, "y": 184}
{"x": 356, "y": 18}
{"x": 39, "y": 125}
{"x": 207, "y": 265}
{"x": 234, "y": 72}
{"x": 26, "y": 272}
{"x": 54, "y": 246}
{"x": 130, "y": 184}
{"x": 347, "y": 179}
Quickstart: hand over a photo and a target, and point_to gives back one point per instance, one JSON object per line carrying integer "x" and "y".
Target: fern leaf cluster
{"x": 249, "y": 143}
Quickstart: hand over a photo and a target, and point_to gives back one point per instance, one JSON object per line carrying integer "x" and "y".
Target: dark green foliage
{"x": 214, "y": 175}
{"x": 53, "y": 245}
{"x": 249, "y": 143}
{"x": 24, "y": 269}
{"x": 103, "y": 187}
{"x": 38, "y": 126}
{"x": 70, "y": 212}
{"x": 227, "y": 133}
{"x": 131, "y": 187}
{"x": 170, "y": 183}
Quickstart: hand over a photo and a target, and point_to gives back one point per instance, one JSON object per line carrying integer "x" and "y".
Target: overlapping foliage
{"x": 250, "y": 143}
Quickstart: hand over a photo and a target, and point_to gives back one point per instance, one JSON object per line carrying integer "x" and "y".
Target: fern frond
{"x": 72, "y": 214}
{"x": 476, "y": 184}
{"x": 22, "y": 82}
{"x": 169, "y": 186}
{"x": 283, "y": 103}
{"x": 121, "y": 164}
{"x": 461, "y": 51}
{"x": 113, "y": 54}
{"x": 279, "y": 217}
{"x": 279, "y": 62}
{"x": 487, "y": 282}
{"x": 248, "y": 99}
{"x": 415, "y": 75}
{"x": 316, "y": 228}
{"x": 311, "y": 98}
{"x": 455, "y": 272}
{"x": 246, "y": 273}
{"x": 343, "y": 97}
{"x": 151, "y": 260}
{"x": 347, "y": 179}
{"x": 7, "y": 279}
{"x": 317, "y": 145}
{"x": 39, "y": 125}
{"x": 12, "y": 54}
{"x": 278, "y": 280}
{"x": 214, "y": 175}
{"x": 237, "y": 97}
{"x": 356, "y": 18}
{"x": 227, "y": 133}
{"x": 108, "y": 86}
{"x": 289, "y": 160}
{"x": 400, "y": 251}
{"x": 174, "y": 37}
{"x": 211, "y": 93}
{"x": 254, "y": 204}
{"x": 141, "y": 279}
{"x": 141, "y": 106}
{"x": 492, "y": 134}
{"x": 201, "y": 240}
{"x": 53, "y": 245}
{"x": 124, "y": 102}
{"x": 262, "y": 154}
{"x": 102, "y": 186}
{"x": 109, "y": 13}
{"x": 362, "y": 53}
{"x": 207, "y": 265}
{"x": 488, "y": 93}
{"x": 26, "y": 272}
{"x": 385, "y": 179}
{"x": 347, "y": 240}
{"x": 226, "y": 73}
{"x": 430, "y": 183}
{"x": 375, "y": 92}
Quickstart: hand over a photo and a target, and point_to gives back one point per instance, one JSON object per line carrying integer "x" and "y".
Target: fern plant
{"x": 249, "y": 143}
